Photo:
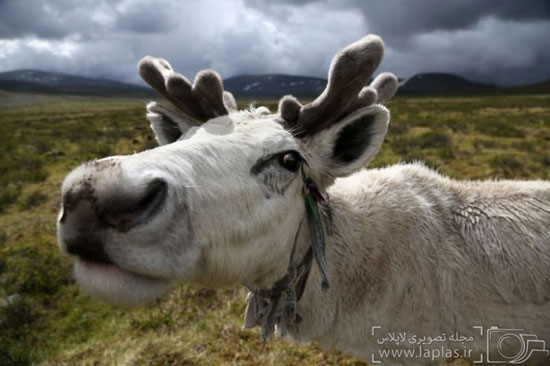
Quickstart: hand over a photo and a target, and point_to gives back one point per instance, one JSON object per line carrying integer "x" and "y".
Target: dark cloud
{"x": 502, "y": 42}
{"x": 147, "y": 17}
{"x": 493, "y": 51}
{"x": 57, "y": 19}
{"x": 498, "y": 41}
{"x": 404, "y": 18}
{"x": 33, "y": 17}
{"x": 495, "y": 41}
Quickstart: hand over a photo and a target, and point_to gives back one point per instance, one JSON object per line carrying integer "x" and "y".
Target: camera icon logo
{"x": 512, "y": 346}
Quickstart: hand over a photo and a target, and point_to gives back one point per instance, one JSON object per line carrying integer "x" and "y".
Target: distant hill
{"x": 44, "y": 82}
{"x": 277, "y": 85}
{"x": 274, "y": 85}
{"x": 537, "y": 88}
{"x": 439, "y": 83}
{"x": 271, "y": 86}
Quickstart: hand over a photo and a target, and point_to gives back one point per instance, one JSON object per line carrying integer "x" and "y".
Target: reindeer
{"x": 331, "y": 252}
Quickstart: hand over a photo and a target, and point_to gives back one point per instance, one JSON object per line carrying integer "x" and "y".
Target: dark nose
{"x": 87, "y": 212}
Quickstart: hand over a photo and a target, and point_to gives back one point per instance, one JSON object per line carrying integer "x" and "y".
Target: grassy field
{"x": 53, "y": 323}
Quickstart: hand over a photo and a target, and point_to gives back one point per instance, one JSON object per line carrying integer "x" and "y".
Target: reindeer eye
{"x": 291, "y": 161}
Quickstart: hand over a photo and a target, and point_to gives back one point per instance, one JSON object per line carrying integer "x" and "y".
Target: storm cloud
{"x": 497, "y": 41}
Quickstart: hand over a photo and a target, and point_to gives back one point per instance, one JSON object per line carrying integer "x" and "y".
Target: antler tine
{"x": 201, "y": 101}
{"x": 229, "y": 101}
{"x": 350, "y": 70}
{"x": 380, "y": 91}
{"x": 386, "y": 85}
{"x": 366, "y": 97}
{"x": 205, "y": 96}
{"x": 156, "y": 72}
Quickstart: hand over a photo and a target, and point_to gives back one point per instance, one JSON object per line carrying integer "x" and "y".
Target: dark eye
{"x": 291, "y": 160}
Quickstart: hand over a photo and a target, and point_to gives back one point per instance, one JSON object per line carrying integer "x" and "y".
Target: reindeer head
{"x": 219, "y": 201}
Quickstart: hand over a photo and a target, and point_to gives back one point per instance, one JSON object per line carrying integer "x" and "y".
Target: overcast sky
{"x": 498, "y": 41}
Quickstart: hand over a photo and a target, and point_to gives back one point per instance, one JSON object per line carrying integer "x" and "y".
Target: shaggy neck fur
{"x": 405, "y": 256}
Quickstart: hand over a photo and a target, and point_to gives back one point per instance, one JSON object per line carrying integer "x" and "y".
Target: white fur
{"x": 411, "y": 250}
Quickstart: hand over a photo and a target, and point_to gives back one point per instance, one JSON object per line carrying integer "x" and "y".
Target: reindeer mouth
{"x": 108, "y": 267}
{"x": 114, "y": 284}
{"x": 88, "y": 250}
{"x": 93, "y": 265}
{"x": 91, "y": 258}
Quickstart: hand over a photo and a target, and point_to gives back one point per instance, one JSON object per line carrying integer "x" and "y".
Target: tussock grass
{"x": 54, "y": 323}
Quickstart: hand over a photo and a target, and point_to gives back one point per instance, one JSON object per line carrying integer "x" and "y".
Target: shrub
{"x": 488, "y": 143}
{"x": 427, "y": 140}
{"x": 35, "y": 270}
{"x": 498, "y": 128}
{"x": 434, "y": 139}
{"x": 525, "y": 145}
{"x": 32, "y": 199}
{"x": 397, "y": 129}
{"x": 507, "y": 164}
{"x": 3, "y": 238}
{"x": 15, "y": 316}
{"x": 8, "y": 195}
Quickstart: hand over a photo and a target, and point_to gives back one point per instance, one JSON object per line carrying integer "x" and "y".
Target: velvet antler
{"x": 203, "y": 100}
{"x": 350, "y": 70}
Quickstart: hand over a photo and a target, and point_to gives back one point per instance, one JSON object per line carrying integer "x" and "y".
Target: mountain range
{"x": 245, "y": 86}
{"x": 274, "y": 85}
{"x": 44, "y": 82}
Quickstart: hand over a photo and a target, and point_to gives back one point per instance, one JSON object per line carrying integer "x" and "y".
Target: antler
{"x": 350, "y": 70}
{"x": 203, "y": 100}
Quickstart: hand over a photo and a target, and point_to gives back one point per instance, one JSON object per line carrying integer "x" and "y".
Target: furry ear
{"x": 351, "y": 143}
{"x": 167, "y": 124}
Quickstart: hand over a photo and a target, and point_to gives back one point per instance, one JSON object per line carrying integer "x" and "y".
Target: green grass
{"x": 53, "y": 322}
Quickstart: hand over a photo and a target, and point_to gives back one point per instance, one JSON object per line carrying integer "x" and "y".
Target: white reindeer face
{"x": 201, "y": 209}
{"x": 217, "y": 203}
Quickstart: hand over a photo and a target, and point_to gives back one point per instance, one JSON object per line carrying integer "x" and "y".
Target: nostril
{"x": 88, "y": 249}
{"x": 155, "y": 194}
{"x": 135, "y": 211}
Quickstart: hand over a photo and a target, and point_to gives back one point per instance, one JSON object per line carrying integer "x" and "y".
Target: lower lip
{"x": 116, "y": 285}
{"x": 103, "y": 267}
{"x": 110, "y": 271}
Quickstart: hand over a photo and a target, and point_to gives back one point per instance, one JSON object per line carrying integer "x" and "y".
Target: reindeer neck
{"x": 268, "y": 277}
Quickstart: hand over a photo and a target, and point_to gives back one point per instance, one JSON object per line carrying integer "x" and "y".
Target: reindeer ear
{"x": 351, "y": 143}
{"x": 167, "y": 124}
